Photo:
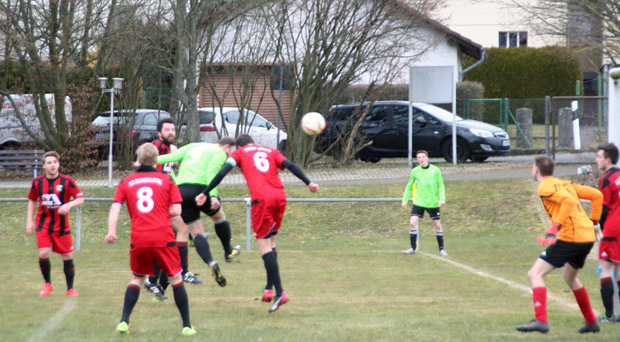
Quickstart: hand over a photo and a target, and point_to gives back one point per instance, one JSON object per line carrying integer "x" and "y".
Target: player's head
{"x": 147, "y": 154}
{"x": 607, "y": 156}
{"x": 227, "y": 144}
{"x": 51, "y": 163}
{"x": 243, "y": 140}
{"x": 543, "y": 166}
{"x": 166, "y": 130}
{"x": 422, "y": 157}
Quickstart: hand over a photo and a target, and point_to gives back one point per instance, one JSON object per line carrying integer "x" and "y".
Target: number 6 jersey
{"x": 149, "y": 195}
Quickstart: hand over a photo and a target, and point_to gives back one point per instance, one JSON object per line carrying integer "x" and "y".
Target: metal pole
{"x": 110, "y": 158}
{"x": 78, "y": 229}
{"x": 248, "y": 222}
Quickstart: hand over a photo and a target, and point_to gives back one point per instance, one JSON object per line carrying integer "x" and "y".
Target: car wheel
{"x": 462, "y": 151}
{"x": 282, "y": 146}
{"x": 370, "y": 159}
{"x": 479, "y": 159}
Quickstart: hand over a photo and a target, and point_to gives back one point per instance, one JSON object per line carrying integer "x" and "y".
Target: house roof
{"x": 468, "y": 46}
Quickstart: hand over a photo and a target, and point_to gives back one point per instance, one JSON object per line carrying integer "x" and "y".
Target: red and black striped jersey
{"x": 51, "y": 194}
{"x": 610, "y": 187}
{"x": 163, "y": 148}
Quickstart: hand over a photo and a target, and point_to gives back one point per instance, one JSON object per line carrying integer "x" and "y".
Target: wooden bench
{"x": 21, "y": 159}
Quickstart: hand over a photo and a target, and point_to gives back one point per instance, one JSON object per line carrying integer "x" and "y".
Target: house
{"x": 494, "y": 23}
{"x": 433, "y": 44}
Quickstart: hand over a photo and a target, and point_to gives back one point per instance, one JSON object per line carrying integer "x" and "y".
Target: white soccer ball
{"x": 313, "y": 123}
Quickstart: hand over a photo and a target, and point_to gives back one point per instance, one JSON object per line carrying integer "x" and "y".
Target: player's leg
{"x": 416, "y": 214}
{"x": 63, "y": 245}
{"x": 435, "y": 215}
{"x": 182, "y": 239}
{"x": 268, "y": 292}
{"x": 154, "y": 285}
{"x": 44, "y": 244}
{"x": 132, "y": 293}
{"x": 536, "y": 275}
{"x": 607, "y": 290}
{"x": 222, "y": 229}
{"x": 170, "y": 263}
{"x": 582, "y": 298}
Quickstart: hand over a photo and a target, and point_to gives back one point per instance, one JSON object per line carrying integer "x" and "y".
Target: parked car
{"x": 386, "y": 125}
{"x": 144, "y": 127}
{"x": 263, "y": 131}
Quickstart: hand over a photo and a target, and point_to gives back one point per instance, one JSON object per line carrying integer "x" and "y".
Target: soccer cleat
{"x": 267, "y": 296}
{"x": 188, "y": 331}
{"x": 409, "y": 251}
{"x": 587, "y": 328}
{"x": 72, "y": 293}
{"x": 278, "y": 301}
{"x": 217, "y": 274}
{"x": 443, "y": 253}
{"x": 190, "y": 278}
{"x": 156, "y": 290}
{"x": 122, "y": 328}
{"x": 45, "y": 291}
{"x": 534, "y": 325}
{"x": 235, "y": 253}
{"x": 604, "y": 319}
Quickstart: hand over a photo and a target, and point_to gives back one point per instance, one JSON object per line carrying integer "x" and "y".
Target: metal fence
{"x": 246, "y": 200}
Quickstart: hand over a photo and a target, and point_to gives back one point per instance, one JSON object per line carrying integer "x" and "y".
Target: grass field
{"x": 340, "y": 263}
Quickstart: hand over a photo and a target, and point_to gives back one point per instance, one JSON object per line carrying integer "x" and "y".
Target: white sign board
{"x": 431, "y": 84}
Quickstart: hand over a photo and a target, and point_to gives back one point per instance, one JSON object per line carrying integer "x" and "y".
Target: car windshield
{"x": 250, "y": 117}
{"x": 439, "y": 113}
{"x": 105, "y": 120}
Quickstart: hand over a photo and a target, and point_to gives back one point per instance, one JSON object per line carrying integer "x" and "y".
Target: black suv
{"x": 144, "y": 127}
{"x": 386, "y": 125}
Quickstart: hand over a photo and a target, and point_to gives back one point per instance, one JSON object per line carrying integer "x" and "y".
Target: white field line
{"x": 510, "y": 283}
{"x": 54, "y": 322}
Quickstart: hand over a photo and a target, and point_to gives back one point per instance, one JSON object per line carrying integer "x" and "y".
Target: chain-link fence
{"x": 545, "y": 132}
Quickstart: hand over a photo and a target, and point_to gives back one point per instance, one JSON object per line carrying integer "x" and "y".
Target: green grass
{"x": 340, "y": 262}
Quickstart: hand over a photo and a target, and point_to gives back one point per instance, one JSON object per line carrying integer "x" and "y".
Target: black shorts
{"x": 190, "y": 210}
{"x": 419, "y": 212}
{"x": 563, "y": 252}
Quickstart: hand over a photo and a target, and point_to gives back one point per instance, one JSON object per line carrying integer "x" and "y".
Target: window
{"x": 513, "y": 39}
{"x": 377, "y": 114}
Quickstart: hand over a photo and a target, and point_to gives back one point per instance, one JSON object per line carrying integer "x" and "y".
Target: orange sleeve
{"x": 594, "y": 195}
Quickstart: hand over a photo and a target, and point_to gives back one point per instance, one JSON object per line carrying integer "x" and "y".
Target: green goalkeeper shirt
{"x": 200, "y": 162}
{"x": 429, "y": 189}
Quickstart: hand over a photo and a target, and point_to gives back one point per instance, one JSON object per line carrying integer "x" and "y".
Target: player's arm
{"x": 408, "y": 190}
{"x": 213, "y": 168}
{"x": 175, "y": 210}
{"x": 595, "y": 196}
{"x": 115, "y": 210}
{"x": 229, "y": 165}
{"x": 440, "y": 187}
{"x": 603, "y": 216}
{"x": 64, "y": 209}
{"x": 175, "y": 156}
{"x": 32, "y": 205}
{"x": 313, "y": 187}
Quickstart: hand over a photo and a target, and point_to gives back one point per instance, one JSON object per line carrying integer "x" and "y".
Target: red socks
{"x": 539, "y": 295}
{"x": 584, "y": 304}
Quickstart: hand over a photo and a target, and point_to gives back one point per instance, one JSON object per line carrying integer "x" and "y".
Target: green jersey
{"x": 200, "y": 162}
{"x": 429, "y": 189}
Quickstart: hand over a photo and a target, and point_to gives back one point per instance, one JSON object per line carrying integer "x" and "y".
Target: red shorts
{"x": 141, "y": 260}
{"x": 267, "y": 216}
{"x": 609, "y": 250}
{"x": 61, "y": 244}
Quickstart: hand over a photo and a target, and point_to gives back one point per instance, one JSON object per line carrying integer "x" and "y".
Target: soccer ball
{"x": 313, "y": 123}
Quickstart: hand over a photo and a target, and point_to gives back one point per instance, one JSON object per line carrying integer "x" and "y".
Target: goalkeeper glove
{"x": 550, "y": 235}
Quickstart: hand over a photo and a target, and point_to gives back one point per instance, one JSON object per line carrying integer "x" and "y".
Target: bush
{"x": 469, "y": 90}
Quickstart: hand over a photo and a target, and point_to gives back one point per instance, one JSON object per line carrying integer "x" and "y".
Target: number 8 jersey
{"x": 149, "y": 195}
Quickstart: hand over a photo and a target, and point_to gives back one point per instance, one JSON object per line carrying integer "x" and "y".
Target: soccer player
{"x": 53, "y": 191}
{"x": 152, "y": 198}
{"x": 199, "y": 164}
{"x": 430, "y": 195}
{"x": 158, "y": 283}
{"x": 609, "y": 247}
{"x": 570, "y": 239}
{"x": 259, "y": 165}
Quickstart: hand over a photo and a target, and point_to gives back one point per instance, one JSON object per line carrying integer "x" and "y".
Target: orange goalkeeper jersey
{"x": 561, "y": 199}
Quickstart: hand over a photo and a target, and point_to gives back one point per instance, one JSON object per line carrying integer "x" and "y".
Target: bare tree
{"x": 48, "y": 39}
{"x": 586, "y": 25}
{"x": 332, "y": 44}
